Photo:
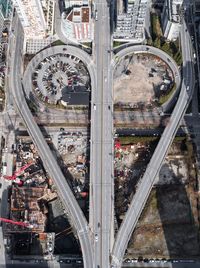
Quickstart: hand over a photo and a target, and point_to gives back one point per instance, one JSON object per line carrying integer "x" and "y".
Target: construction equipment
{"x": 18, "y": 172}
{"x": 20, "y": 223}
{"x": 24, "y": 224}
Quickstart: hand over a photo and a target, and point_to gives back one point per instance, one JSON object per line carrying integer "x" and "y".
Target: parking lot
{"x": 58, "y": 75}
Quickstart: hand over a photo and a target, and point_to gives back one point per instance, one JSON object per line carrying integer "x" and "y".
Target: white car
{"x": 96, "y": 237}
{"x": 187, "y": 88}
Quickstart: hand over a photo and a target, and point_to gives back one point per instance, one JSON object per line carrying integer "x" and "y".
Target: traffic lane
{"x": 178, "y": 264}
{"x": 145, "y": 132}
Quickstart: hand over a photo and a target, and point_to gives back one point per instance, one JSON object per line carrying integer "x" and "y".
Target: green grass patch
{"x": 57, "y": 43}
{"x": 156, "y": 26}
{"x": 87, "y": 44}
{"x": 159, "y": 41}
{"x": 134, "y": 139}
{"x": 117, "y": 43}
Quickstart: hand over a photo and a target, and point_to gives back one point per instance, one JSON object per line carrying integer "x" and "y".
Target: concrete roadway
{"x": 101, "y": 156}
{"x": 146, "y": 183}
{"x": 65, "y": 193}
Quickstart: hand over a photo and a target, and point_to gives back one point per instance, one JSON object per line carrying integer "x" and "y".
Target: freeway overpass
{"x": 146, "y": 183}
{"x": 101, "y": 150}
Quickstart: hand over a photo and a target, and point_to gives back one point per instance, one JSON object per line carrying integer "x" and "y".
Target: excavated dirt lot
{"x": 135, "y": 82}
{"x": 168, "y": 226}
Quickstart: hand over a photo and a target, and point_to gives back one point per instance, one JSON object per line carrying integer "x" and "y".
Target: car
{"x": 96, "y": 237}
{"x": 95, "y": 107}
{"x": 62, "y": 129}
{"x": 187, "y": 88}
{"x": 79, "y": 261}
{"x": 134, "y": 260}
{"x": 108, "y": 107}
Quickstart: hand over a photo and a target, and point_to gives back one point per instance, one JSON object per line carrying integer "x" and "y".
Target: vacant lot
{"x": 169, "y": 225}
{"x": 141, "y": 79}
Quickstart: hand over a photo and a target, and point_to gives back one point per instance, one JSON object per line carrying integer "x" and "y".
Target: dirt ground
{"x": 168, "y": 226}
{"x": 136, "y": 87}
{"x": 138, "y": 79}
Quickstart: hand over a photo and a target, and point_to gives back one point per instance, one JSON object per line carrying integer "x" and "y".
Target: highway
{"x": 101, "y": 152}
{"x": 146, "y": 183}
{"x": 72, "y": 208}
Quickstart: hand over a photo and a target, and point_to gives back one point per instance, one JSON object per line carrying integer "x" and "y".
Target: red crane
{"x": 17, "y": 173}
{"x": 24, "y": 224}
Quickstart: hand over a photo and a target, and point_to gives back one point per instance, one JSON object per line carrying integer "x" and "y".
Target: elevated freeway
{"x": 73, "y": 210}
{"x": 146, "y": 183}
{"x": 101, "y": 152}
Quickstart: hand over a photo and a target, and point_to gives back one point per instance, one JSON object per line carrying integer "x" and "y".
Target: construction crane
{"x": 20, "y": 223}
{"x": 24, "y": 224}
{"x": 18, "y": 172}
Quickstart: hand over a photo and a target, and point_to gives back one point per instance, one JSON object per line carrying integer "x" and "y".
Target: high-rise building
{"x": 6, "y": 7}
{"x": 32, "y": 18}
{"x": 171, "y": 18}
{"x": 37, "y": 18}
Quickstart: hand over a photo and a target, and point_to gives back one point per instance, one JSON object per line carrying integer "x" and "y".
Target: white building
{"x": 71, "y": 3}
{"x": 171, "y": 18}
{"x": 49, "y": 13}
{"x": 131, "y": 25}
{"x": 77, "y": 25}
{"x": 37, "y": 18}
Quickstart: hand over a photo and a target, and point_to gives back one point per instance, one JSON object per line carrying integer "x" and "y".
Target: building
{"x": 171, "y": 18}
{"x": 37, "y": 18}
{"x": 76, "y": 95}
{"x": 77, "y": 24}
{"x": 71, "y": 3}
{"x": 6, "y": 7}
{"x": 132, "y": 21}
{"x": 197, "y": 8}
{"x": 49, "y": 13}
{"x": 158, "y": 3}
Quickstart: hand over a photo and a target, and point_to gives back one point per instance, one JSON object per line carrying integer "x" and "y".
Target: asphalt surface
{"x": 146, "y": 183}
{"x": 65, "y": 193}
{"x": 101, "y": 154}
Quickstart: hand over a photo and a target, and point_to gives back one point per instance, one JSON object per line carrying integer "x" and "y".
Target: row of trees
{"x": 159, "y": 41}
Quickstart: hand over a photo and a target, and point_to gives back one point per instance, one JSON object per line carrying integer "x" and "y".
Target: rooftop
{"x": 76, "y": 95}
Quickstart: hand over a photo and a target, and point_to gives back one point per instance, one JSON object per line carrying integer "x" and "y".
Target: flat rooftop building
{"x": 76, "y": 95}
{"x": 131, "y": 21}
{"x": 171, "y": 18}
{"x": 77, "y": 24}
{"x": 37, "y": 18}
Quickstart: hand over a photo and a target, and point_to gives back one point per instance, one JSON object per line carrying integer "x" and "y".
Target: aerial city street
{"x": 100, "y": 133}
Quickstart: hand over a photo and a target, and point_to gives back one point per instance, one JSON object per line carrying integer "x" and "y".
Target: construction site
{"x": 141, "y": 80}
{"x": 35, "y": 223}
{"x": 169, "y": 225}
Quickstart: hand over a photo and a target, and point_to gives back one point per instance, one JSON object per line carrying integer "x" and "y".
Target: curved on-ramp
{"x": 145, "y": 185}
{"x": 65, "y": 193}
